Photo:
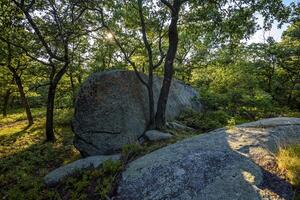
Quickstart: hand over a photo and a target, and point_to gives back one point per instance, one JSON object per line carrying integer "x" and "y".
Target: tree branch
{"x": 26, "y": 52}
{"x": 127, "y": 58}
{"x": 37, "y": 31}
{"x": 144, "y": 34}
{"x": 168, "y": 4}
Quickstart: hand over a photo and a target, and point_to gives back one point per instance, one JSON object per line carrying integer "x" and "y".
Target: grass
{"x": 288, "y": 159}
{"x": 25, "y": 159}
{"x": 19, "y": 115}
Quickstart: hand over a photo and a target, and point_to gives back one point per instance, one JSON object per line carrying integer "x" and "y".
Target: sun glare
{"x": 109, "y": 36}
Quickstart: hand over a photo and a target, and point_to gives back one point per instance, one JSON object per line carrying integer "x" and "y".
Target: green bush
{"x": 204, "y": 121}
{"x": 92, "y": 184}
{"x": 130, "y": 151}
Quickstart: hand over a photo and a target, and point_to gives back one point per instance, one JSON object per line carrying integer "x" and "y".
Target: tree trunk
{"x": 54, "y": 80}
{"x": 49, "y": 115}
{"x": 18, "y": 82}
{"x": 5, "y": 102}
{"x": 160, "y": 117}
{"x": 72, "y": 88}
{"x": 150, "y": 67}
{"x": 23, "y": 98}
{"x": 151, "y": 100}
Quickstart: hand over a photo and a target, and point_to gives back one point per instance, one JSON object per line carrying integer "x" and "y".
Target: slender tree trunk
{"x": 160, "y": 117}
{"x": 150, "y": 67}
{"x": 54, "y": 80}
{"x": 49, "y": 115}
{"x": 72, "y": 88}
{"x": 18, "y": 82}
{"x": 5, "y": 102}
{"x": 24, "y": 99}
{"x": 151, "y": 100}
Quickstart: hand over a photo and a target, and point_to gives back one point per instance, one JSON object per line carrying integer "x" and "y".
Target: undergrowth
{"x": 288, "y": 159}
{"x": 25, "y": 158}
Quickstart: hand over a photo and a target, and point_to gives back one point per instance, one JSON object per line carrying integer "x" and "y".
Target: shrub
{"x": 289, "y": 160}
{"x": 204, "y": 121}
{"x": 130, "y": 151}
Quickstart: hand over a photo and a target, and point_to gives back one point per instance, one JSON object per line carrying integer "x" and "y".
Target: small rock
{"x": 58, "y": 174}
{"x": 154, "y": 135}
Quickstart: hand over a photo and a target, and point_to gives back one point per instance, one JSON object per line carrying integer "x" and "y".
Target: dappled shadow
{"x": 25, "y": 164}
{"x": 13, "y": 136}
{"x": 272, "y": 183}
{"x": 222, "y": 164}
{"x": 260, "y": 142}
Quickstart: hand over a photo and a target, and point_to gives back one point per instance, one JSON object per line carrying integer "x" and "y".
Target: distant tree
{"x": 289, "y": 55}
{"x": 53, "y": 25}
{"x": 16, "y": 67}
{"x": 12, "y": 58}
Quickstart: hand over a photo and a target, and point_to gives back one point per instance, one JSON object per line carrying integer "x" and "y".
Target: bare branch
{"x": 143, "y": 30}
{"x": 168, "y": 4}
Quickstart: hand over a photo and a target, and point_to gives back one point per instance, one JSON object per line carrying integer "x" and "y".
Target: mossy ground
{"x": 25, "y": 158}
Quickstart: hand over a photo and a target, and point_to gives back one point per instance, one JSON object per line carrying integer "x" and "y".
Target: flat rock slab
{"x": 222, "y": 164}
{"x": 154, "y": 135}
{"x": 58, "y": 174}
{"x": 112, "y": 110}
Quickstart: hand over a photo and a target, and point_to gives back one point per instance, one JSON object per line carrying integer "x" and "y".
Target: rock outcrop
{"x": 112, "y": 110}
{"x": 227, "y": 164}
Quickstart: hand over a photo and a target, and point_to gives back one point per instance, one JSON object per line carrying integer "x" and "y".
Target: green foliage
{"x": 205, "y": 121}
{"x": 92, "y": 184}
{"x": 236, "y": 82}
{"x": 130, "y": 151}
{"x": 26, "y": 159}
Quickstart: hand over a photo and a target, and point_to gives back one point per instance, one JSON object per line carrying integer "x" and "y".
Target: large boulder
{"x": 227, "y": 164}
{"x": 111, "y": 110}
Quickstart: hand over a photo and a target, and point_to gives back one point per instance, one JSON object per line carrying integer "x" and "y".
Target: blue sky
{"x": 275, "y": 32}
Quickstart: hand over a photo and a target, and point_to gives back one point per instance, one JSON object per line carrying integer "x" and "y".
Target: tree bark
{"x": 160, "y": 117}
{"x": 18, "y": 82}
{"x": 54, "y": 80}
{"x": 72, "y": 88}
{"x": 5, "y": 102}
{"x": 150, "y": 67}
{"x": 23, "y": 98}
{"x": 151, "y": 100}
{"x": 49, "y": 114}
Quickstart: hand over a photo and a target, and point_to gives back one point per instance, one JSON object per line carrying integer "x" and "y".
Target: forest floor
{"x": 24, "y": 156}
{"x": 25, "y": 159}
